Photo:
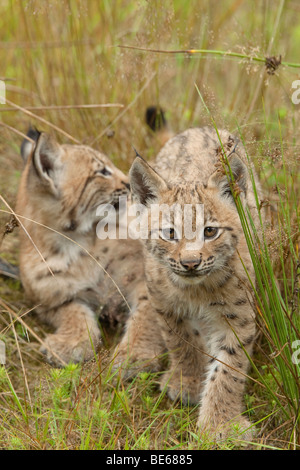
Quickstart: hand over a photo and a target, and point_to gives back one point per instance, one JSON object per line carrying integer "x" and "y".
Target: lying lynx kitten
{"x": 198, "y": 305}
{"x": 67, "y": 272}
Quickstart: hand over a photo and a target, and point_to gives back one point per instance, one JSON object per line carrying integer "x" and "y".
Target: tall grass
{"x": 61, "y": 61}
{"x": 276, "y": 300}
{"x": 277, "y": 317}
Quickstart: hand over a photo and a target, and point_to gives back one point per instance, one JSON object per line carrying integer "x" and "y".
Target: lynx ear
{"x": 47, "y": 163}
{"x": 27, "y": 145}
{"x": 222, "y": 181}
{"x": 146, "y": 185}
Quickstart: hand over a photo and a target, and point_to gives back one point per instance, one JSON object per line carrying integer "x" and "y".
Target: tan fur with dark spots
{"x": 199, "y": 302}
{"x": 60, "y": 189}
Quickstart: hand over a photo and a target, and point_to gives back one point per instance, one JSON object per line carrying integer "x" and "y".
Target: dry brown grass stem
{"x": 18, "y": 217}
{"x": 21, "y": 358}
{"x": 62, "y": 107}
{"x": 45, "y": 44}
{"x": 44, "y": 121}
{"x": 144, "y": 87}
{"x": 16, "y": 131}
{"x": 31, "y": 331}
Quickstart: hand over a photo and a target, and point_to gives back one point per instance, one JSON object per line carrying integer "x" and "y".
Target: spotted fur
{"x": 199, "y": 301}
{"x": 66, "y": 271}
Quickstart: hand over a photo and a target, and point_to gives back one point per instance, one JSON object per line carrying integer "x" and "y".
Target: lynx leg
{"x": 184, "y": 377}
{"x": 77, "y": 334}
{"x": 222, "y": 396}
{"x": 142, "y": 345}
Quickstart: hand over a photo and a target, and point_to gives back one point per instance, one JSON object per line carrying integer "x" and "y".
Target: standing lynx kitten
{"x": 198, "y": 306}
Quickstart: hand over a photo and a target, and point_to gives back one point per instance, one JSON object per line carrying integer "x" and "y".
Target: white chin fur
{"x": 182, "y": 281}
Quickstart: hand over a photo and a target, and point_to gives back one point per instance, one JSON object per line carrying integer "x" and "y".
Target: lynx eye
{"x": 210, "y": 232}
{"x": 169, "y": 234}
{"x": 104, "y": 172}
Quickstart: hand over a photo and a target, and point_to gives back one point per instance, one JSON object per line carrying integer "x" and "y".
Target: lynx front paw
{"x": 130, "y": 365}
{"x": 181, "y": 387}
{"x": 239, "y": 428}
{"x": 59, "y": 350}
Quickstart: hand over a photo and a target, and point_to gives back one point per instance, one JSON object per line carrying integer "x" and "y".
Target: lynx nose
{"x": 190, "y": 264}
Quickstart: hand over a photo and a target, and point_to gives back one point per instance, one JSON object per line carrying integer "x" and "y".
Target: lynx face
{"x": 203, "y": 250}
{"x": 72, "y": 180}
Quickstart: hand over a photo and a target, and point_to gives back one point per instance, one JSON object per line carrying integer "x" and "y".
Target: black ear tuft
{"x": 146, "y": 185}
{"x": 137, "y": 153}
{"x": 27, "y": 146}
{"x": 225, "y": 183}
{"x": 155, "y": 118}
